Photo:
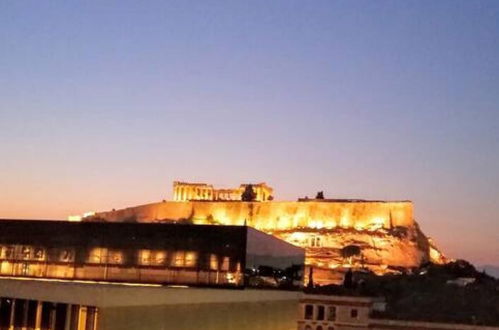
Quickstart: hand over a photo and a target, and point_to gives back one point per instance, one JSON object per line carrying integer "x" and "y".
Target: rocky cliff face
{"x": 336, "y": 234}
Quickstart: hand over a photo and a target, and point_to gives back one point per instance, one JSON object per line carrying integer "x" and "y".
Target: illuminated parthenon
{"x": 188, "y": 191}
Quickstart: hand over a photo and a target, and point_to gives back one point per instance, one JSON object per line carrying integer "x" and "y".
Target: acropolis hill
{"x": 385, "y": 232}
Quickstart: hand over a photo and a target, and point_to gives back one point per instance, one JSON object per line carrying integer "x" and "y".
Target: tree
{"x": 320, "y": 195}
{"x": 248, "y": 194}
{"x": 348, "y": 279}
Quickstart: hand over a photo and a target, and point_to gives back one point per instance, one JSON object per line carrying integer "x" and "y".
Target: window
{"x": 318, "y": 328}
{"x": 144, "y": 257}
{"x": 25, "y": 252}
{"x": 309, "y": 312}
{"x": 320, "y": 312}
{"x": 331, "y": 314}
{"x": 225, "y": 264}
{"x": 115, "y": 257}
{"x": 8, "y": 252}
{"x": 308, "y": 327}
{"x": 315, "y": 241}
{"x": 190, "y": 259}
{"x": 213, "y": 262}
{"x": 66, "y": 256}
{"x": 354, "y": 313}
{"x": 178, "y": 259}
{"x": 97, "y": 255}
{"x": 158, "y": 258}
{"x": 330, "y": 328}
{"x": 39, "y": 254}
{"x": 184, "y": 259}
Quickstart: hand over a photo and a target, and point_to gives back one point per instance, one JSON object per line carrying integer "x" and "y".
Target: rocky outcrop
{"x": 388, "y": 238}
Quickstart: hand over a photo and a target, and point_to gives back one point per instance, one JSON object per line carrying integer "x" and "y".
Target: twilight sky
{"x": 104, "y": 103}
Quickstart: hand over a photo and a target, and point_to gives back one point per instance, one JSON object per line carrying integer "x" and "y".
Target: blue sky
{"x": 103, "y": 104}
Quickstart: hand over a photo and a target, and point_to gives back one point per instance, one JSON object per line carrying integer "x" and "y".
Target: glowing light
{"x": 345, "y": 222}
{"x": 331, "y": 224}
{"x": 318, "y": 224}
{"x": 358, "y": 226}
{"x": 74, "y": 218}
{"x": 230, "y": 278}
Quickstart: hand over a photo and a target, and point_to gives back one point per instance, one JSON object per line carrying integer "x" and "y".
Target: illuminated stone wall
{"x": 275, "y": 216}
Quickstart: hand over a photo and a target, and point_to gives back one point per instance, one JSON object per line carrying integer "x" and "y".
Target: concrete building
{"x": 90, "y": 275}
{"x": 325, "y": 312}
{"x": 73, "y": 305}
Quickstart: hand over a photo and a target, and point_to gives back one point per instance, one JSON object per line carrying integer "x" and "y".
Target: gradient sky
{"x": 104, "y": 103}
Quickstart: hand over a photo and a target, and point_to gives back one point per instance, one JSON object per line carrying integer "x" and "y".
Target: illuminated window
{"x": 152, "y": 258}
{"x": 97, "y": 255}
{"x": 25, "y": 252}
{"x": 184, "y": 259}
{"x": 331, "y": 314}
{"x": 66, "y": 255}
{"x": 213, "y": 262}
{"x": 178, "y": 259}
{"x": 190, "y": 259}
{"x": 225, "y": 264}
{"x": 39, "y": 254}
{"x": 158, "y": 258}
{"x": 115, "y": 257}
{"x": 7, "y": 252}
{"x": 144, "y": 257}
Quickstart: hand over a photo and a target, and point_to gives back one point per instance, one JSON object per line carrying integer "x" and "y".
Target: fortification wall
{"x": 272, "y": 215}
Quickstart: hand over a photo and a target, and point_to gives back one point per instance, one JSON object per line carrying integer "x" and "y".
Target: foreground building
{"x": 326, "y": 312}
{"x": 88, "y": 275}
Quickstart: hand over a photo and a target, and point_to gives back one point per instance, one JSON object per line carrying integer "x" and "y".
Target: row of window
{"x": 320, "y": 313}
{"x": 101, "y": 255}
{"x": 324, "y": 313}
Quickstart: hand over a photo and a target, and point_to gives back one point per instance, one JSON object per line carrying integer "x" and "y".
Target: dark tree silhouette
{"x": 348, "y": 280}
{"x": 320, "y": 195}
{"x": 310, "y": 283}
{"x": 248, "y": 194}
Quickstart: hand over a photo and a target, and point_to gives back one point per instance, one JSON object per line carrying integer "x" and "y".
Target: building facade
{"x": 168, "y": 254}
{"x": 188, "y": 191}
{"x": 61, "y": 275}
{"x": 328, "y": 312}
